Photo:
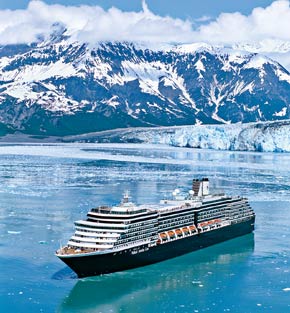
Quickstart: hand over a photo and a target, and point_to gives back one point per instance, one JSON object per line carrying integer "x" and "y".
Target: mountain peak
{"x": 66, "y": 87}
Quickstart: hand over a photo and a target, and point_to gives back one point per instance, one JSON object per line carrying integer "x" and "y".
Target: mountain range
{"x": 58, "y": 87}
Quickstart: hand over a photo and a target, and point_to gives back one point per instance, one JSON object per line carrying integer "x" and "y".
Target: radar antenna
{"x": 126, "y": 197}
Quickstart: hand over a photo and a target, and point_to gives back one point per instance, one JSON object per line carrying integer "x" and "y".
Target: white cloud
{"x": 203, "y": 19}
{"x": 91, "y": 23}
{"x": 265, "y": 29}
{"x": 272, "y": 22}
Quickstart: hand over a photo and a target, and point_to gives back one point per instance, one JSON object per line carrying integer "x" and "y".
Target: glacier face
{"x": 59, "y": 87}
{"x": 261, "y": 137}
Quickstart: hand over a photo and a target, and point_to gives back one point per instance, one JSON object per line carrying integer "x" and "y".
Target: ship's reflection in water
{"x": 182, "y": 284}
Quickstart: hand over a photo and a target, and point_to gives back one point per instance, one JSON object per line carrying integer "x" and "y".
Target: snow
{"x": 21, "y": 91}
{"x": 257, "y": 61}
{"x": 169, "y": 82}
{"x": 193, "y": 47}
{"x": 283, "y": 75}
{"x": 275, "y": 49}
{"x": 282, "y": 112}
{"x": 36, "y": 72}
{"x": 147, "y": 73}
{"x": 237, "y": 57}
{"x": 20, "y": 82}
{"x": 266, "y": 45}
{"x": 262, "y": 137}
{"x": 199, "y": 66}
{"x": 101, "y": 69}
{"x": 241, "y": 87}
{"x": 56, "y": 102}
{"x": 111, "y": 102}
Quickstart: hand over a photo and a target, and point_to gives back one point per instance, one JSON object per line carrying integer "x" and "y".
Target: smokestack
{"x": 200, "y": 187}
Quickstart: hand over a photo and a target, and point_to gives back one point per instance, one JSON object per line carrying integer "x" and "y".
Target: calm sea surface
{"x": 45, "y": 188}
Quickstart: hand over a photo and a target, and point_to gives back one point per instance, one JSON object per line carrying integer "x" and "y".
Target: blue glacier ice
{"x": 262, "y": 137}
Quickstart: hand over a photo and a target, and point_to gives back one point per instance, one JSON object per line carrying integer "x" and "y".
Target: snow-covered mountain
{"x": 276, "y": 49}
{"x": 59, "y": 87}
{"x": 261, "y": 137}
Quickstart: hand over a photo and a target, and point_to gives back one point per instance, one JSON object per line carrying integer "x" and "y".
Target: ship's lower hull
{"x": 91, "y": 265}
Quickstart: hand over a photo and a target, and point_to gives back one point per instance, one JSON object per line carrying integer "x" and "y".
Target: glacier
{"x": 260, "y": 137}
{"x": 263, "y": 137}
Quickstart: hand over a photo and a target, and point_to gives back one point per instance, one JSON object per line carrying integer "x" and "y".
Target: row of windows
{"x": 117, "y": 219}
{"x": 175, "y": 225}
{"x": 205, "y": 219}
{"x": 221, "y": 208}
{"x": 212, "y": 214}
{"x": 176, "y": 213}
{"x": 97, "y": 232}
{"x": 97, "y": 237}
{"x": 144, "y": 236}
{"x": 212, "y": 211}
{"x": 143, "y": 223}
{"x": 218, "y": 202}
{"x": 97, "y": 220}
{"x": 180, "y": 218}
{"x": 149, "y": 226}
{"x": 132, "y": 235}
{"x": 227, "y": 203}
{"x": 237, "y": 216}
{"x": 98, "y": 227}
{"x": 239, "y": 209}
{"x": 97, "y": 243}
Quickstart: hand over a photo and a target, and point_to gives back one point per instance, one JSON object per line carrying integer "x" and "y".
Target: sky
{"x": 216, "y": 22}
{"x": 185, "y": 9}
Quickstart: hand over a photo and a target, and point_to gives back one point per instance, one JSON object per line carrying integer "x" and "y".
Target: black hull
{"x": 91, "y": 265}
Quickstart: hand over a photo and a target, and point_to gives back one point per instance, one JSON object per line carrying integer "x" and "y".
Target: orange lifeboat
{"x": 185, "y": 230}
{"x": 192, "y": 228}
{"x": 163, "y": 236}
{"x": 178, "y": 231}
{"x": 171, "y": 233}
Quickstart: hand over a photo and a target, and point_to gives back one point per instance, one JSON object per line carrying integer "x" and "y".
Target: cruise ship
{"x": 127, "y": 236}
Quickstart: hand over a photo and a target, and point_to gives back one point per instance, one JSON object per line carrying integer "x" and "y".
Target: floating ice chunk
{"x": 13, "y": 232}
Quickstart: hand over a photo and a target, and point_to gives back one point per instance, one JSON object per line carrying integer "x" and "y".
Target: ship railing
{"x": 110, "y": 210}
{"x": 218, "y": 194}
{"x": 183, "y": 206}
{"x": 102, "y": 209}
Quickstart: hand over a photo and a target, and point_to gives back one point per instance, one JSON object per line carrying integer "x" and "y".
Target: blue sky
{"x": 191, "y": 9}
